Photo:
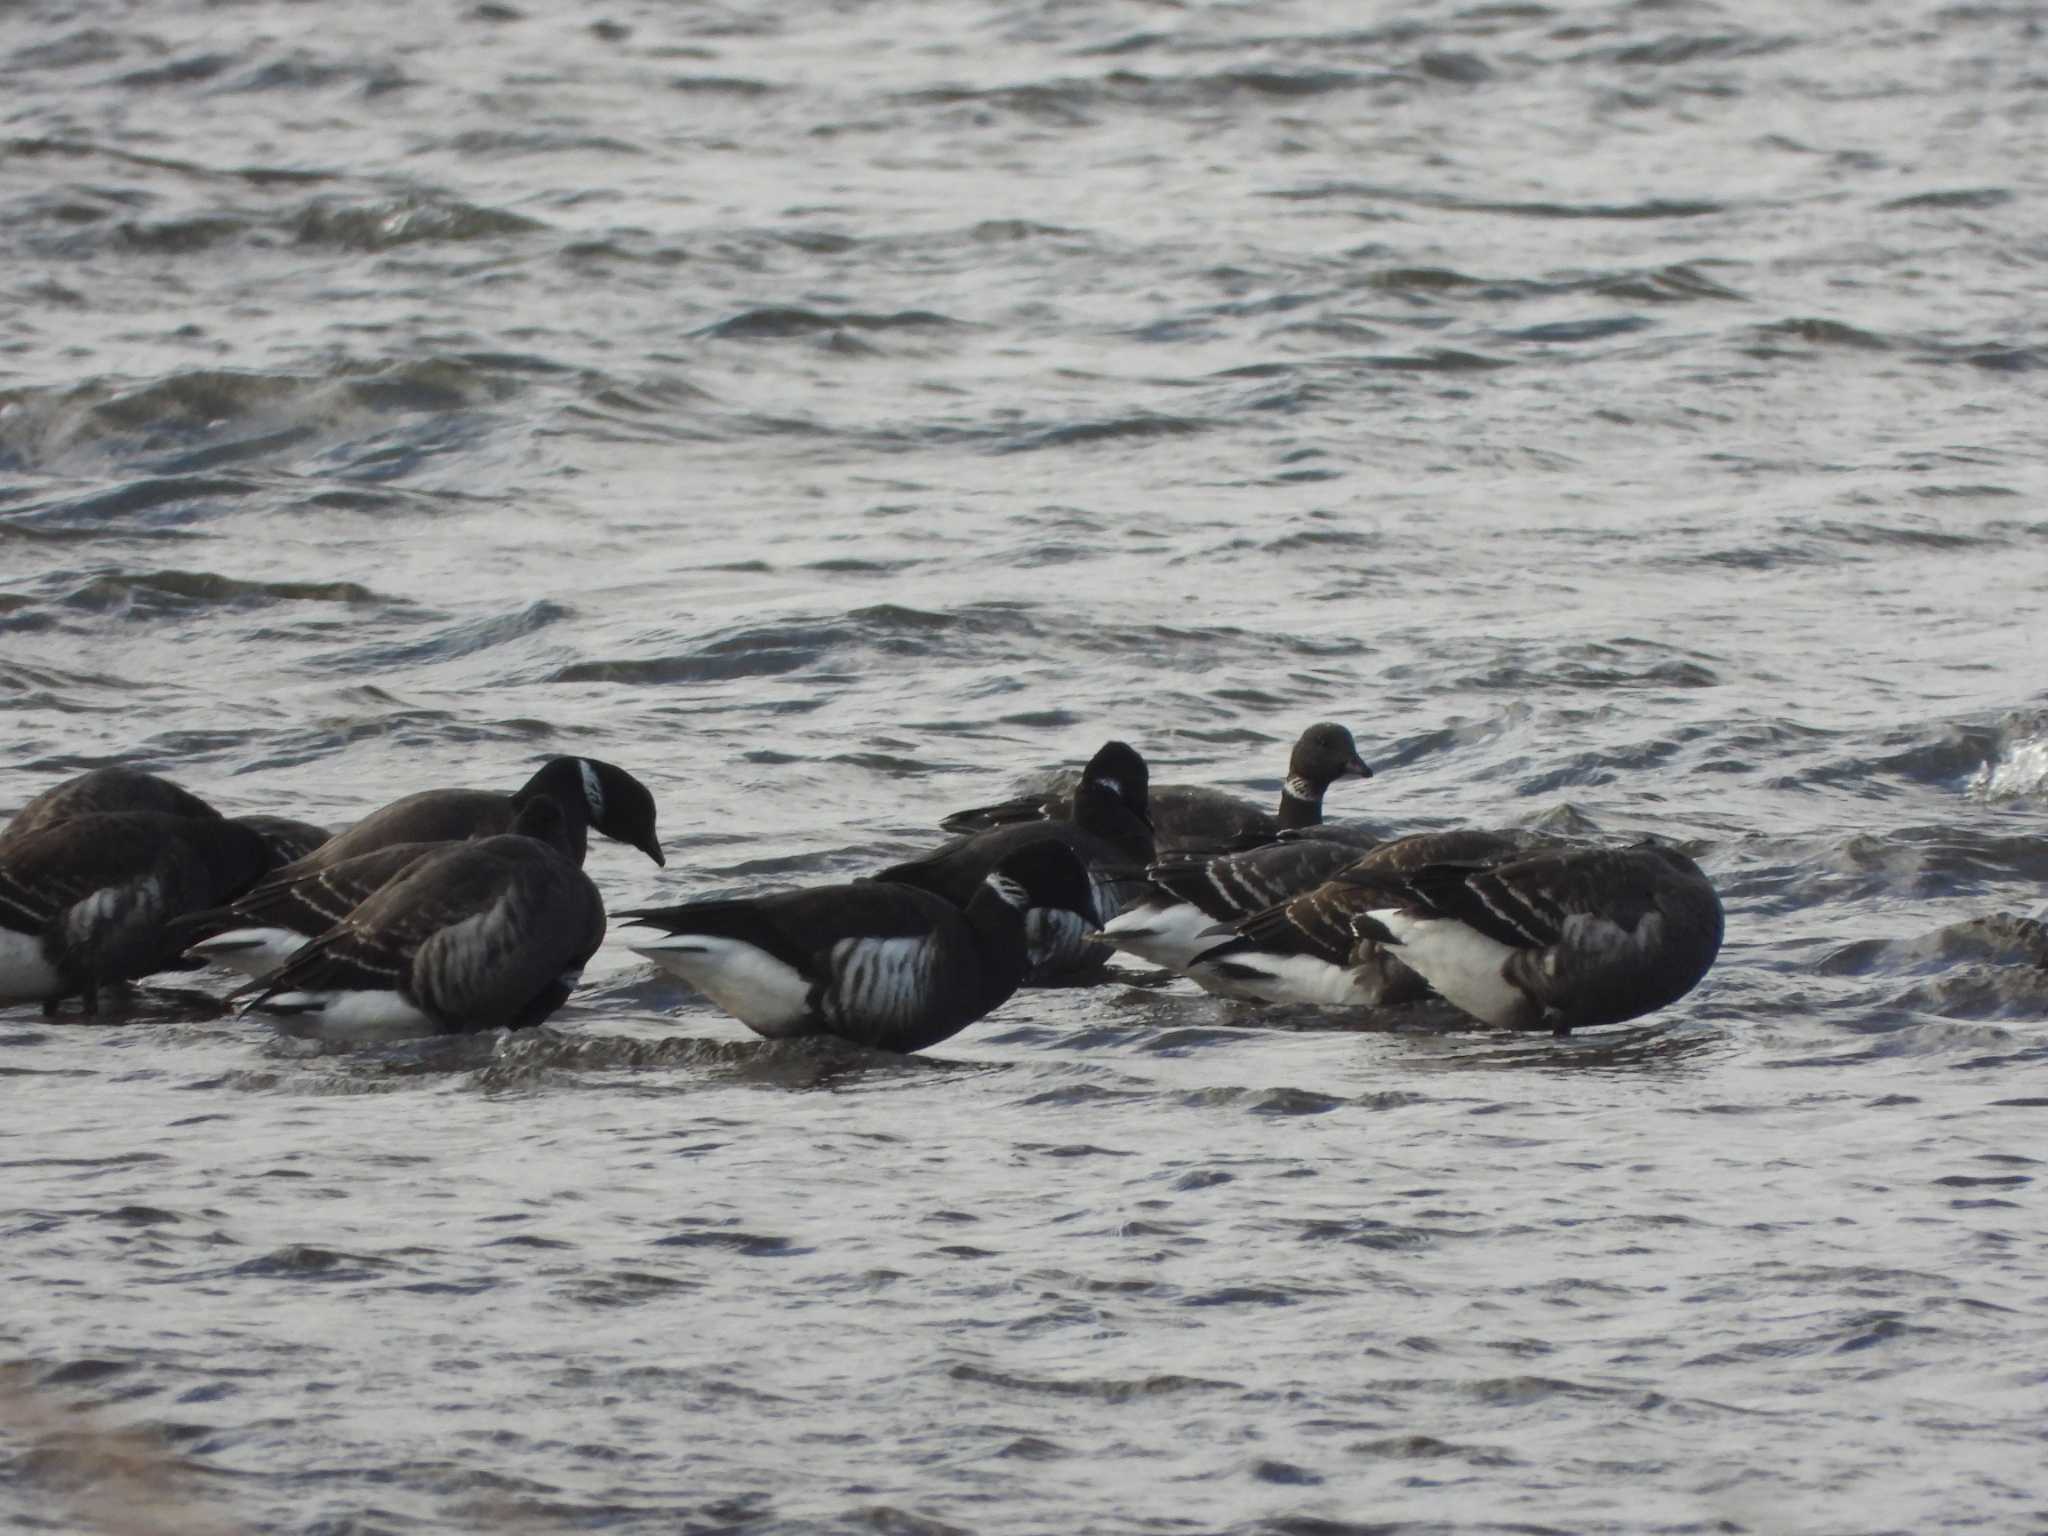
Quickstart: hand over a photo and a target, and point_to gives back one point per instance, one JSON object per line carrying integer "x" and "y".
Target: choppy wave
{"x": 1623, "y": 420}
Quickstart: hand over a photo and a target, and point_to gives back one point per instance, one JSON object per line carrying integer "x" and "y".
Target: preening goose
{"x": 1556, "y": 940}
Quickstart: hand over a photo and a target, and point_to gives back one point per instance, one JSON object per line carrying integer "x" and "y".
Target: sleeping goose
{"x": 131, "y": 789}
{"x": 892, "y": 967}
{"x": 1192, "y": 816}
{"x": 1557, "y": 940}
{"x": 489, "y": 933}
{"x": 1305, "y": 948}
{"x": 589, "y": 793}
{"x": 100, "y": 791}
{"x": 1109, "y": 833}
{"x": 87, "y": 901}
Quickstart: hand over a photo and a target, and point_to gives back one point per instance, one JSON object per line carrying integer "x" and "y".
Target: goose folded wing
{"x": 319, "y": 898}
{"x": 54, "y": 872}
{"x": 801, "y": 928}
{"x": 371, "y": 948}
{"x": 1232, "y": 887}
{"x": 1537, "y": 902}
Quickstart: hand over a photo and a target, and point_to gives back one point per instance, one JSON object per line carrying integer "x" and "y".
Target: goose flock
{"x": 457, "y": 910}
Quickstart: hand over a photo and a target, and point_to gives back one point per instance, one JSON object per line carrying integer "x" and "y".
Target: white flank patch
{"x": 1170, "y": 936}
{"x": 255, "y": 952}
{"x": 753, "y": 986}
{"x": 880, "y": 981}
{"x": 1264, "y": 978}
{"x": 86, "y": 921}
{"x": 25, "y": 976}
{"x": 1461, "y": 963}
{"x": 348, "y": 1016}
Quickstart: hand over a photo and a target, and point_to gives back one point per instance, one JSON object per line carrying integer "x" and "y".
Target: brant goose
{"x": 103, "y": 790}
{"x": 1174, "y": 919}
{"x": 891, "y": 967}
{"x": 264, "y": 928}
{"x": 88, "y": 900}
{"x": 1109, "y": 833}
{"x": 588, "y": 792}
{"x": 1190, "y": 816}
{"x": 1305, "y": 947}
{"x": 485, "y": 934}
{"x": 1556, "y": 940}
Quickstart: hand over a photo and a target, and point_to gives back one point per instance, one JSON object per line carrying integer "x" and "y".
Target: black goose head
{"x": 1043, "y": 873}
{"x": 1325, "y": 754}
{"x": 1116, "y": 775}
{"x": 600, "y": 795}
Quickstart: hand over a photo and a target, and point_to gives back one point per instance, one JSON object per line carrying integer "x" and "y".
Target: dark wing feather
{"x": 104, "y": 791}
{"x": 372, "y": 947}
{"x": 1525, "y": 904}
{"x": 510, "y": 963}
{"x": 1193, "y": 816}
{"x": 433, "y": 815}
{"x": 325, "y": 894}
{"x": 797, "y": 927}
{"x": 956, "y": 871}
{"x": 1464, "y": 845}
{"x": 1232, "y": 886}
{"x": 1318, "y": 923}
{"x": 46, "y": 871}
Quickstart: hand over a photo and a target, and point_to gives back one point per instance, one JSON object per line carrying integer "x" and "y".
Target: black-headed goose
{"x": 590, "y": 794}
{"x": 893, "y": 967}
{"x": 1109, "y": 833}
{"x": 489, "y": 933}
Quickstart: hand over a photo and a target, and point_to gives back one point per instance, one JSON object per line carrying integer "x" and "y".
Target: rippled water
{"x": 1623, "y": 416}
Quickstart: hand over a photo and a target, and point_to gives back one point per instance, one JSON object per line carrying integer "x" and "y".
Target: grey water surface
{"x": 1625, "y": 416}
